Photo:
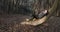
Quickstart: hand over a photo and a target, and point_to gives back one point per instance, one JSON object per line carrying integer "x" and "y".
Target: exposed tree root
{"x": 40, "y": 21}
{"x": 35, "y": 22}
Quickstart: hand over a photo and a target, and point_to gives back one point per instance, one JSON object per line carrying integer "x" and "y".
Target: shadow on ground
{"x": 11, "y": 23}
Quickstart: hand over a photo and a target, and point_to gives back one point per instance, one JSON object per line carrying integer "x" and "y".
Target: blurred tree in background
{"x": 22, "y": 6}
{"x": 16, "y": 6}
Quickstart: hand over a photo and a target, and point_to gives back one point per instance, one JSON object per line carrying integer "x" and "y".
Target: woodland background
{"x": 12, "y": 12}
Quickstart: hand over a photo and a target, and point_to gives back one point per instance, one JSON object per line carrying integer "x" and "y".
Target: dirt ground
{"x": 11, "y": 23}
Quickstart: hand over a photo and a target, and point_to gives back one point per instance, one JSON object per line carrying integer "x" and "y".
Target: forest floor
{"x": 11, "y": 23}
